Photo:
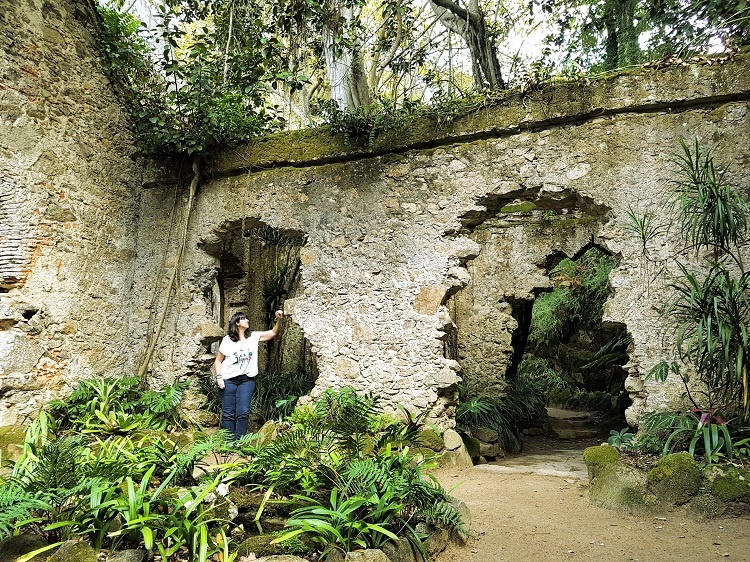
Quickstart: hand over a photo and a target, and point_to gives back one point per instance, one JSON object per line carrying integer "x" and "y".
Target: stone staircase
{"x": 574, "y": 424}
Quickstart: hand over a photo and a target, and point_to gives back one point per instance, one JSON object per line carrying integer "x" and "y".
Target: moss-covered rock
{"x": 260, "y": 546}
{"x": 523, "y": 207}
{"x": 458, "y": 458}
{"x": 74, "y": 551}
{"x": 675, "y": 479}
{"x": 728, "y": 483}
{"x": 472, "y": 446}
{"x": 14, "y": 547}
{"x": 431, "y": 439}
{"x": 11, "y": 441}
{"x": 600, "y": 458}
{"x": 705, "y": 506}
{"x": 622, "y": 487}
{"x": 267, "y": 433}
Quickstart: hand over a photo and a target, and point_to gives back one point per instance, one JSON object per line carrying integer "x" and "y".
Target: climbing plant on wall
{"x": 186, "y": 100}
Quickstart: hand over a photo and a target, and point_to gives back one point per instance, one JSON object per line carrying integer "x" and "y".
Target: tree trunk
{"x": 471, "y": 25}
{"x": 345, "y": 68}
{"x": 621, "y": 46}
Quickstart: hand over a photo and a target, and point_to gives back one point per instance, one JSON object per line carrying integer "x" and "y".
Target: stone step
{"x": 574, "y": 424}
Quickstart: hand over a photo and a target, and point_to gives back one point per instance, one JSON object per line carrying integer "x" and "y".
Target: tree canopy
{"x": 200, "y": 73}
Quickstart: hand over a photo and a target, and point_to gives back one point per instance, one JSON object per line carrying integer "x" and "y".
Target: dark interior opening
{"x": 575, "y": 357}
{"x": 521, "y": 312}
{"x": 259, "y": 269}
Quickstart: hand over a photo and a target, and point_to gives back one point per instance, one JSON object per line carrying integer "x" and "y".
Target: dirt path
{"x": 520, "y": 517}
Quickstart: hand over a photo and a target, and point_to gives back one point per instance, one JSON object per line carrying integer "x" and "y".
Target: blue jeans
{"x": 235, "y": 404}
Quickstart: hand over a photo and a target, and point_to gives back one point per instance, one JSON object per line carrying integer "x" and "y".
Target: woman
{"x": 236, "y": 366}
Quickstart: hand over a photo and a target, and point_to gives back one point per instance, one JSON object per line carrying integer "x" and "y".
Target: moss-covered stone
{"x": 622, "y": 487}
{"x": 11, "y": 441}
{"x": 14, "y": 547}
{"x": 244, "y": 498}
{"x": 705, "y": 506}
{"x": 675, "y": 479}
{"x": 74, "y": 551}
{"x": 728, "y": 483}
{"x": 260, "y": 546}
{"x": 600, "y": 458}
{"x": 472, "y": 446}
{"x": 525, "y": 207}
{"x": 431, "y": 439}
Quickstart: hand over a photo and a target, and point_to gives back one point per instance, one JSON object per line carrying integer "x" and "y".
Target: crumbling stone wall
{"x": 68, "y": 208}
{"x": 399, "y": 236}
{"x": 436, "y": 231}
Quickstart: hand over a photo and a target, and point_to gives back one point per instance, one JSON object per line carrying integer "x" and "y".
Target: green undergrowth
{"x": 342, "y": 474}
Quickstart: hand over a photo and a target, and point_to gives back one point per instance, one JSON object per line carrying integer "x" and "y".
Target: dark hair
{"x": 233, "y": 331}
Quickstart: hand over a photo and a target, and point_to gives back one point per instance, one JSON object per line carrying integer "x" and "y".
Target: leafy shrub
{"x": 276, "y": 393}
{"x": 118, "y": 405}
{"x": 523, "y": 402}
{"x": 350, "y": 473}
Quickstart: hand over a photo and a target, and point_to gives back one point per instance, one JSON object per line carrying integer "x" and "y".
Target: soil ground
{"x": 534, "y": 507}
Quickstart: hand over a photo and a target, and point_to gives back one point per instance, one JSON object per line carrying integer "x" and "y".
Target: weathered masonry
{"x": 409, "y": 263}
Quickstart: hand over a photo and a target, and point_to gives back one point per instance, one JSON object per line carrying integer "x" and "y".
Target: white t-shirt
{"x": 240, "y": 357}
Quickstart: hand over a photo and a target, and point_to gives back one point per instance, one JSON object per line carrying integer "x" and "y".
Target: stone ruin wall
{"x": 427, "y": 232}
{"x": 69, "y": 189}
{"x": 419, "y": 234}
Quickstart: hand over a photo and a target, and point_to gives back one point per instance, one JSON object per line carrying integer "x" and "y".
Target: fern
{"x": 446, "y": 514}
{"x": 58, "y": 465}
{"x": 17, "y": 506}
{"x": 363, "y": 474}
{"x": 184, "y": 463}
{"x": 164, "y": 400}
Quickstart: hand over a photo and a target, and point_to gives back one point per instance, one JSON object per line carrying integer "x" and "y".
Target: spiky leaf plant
{"x": 712, "y": 213}
{"x": 508, "y": 414}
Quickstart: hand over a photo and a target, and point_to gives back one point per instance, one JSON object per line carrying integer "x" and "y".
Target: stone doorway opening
{"x": 576, "y": 358}
{"x": 259, "y": 268}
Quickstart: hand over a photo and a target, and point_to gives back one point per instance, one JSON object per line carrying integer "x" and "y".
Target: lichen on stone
{"x": 728, "y": 483}
{"x": 675, "y": 479}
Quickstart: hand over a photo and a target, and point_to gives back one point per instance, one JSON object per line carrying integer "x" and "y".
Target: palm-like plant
{"x": 713, "y": 311}
{"x": 712, "y": 213}
{"x": 714, "y": 315}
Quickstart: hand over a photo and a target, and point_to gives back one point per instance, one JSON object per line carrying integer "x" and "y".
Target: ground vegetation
{"x": 108, "y": 467}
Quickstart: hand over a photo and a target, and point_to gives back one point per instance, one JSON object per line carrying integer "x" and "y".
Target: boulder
{"x": 13, "y": 547}
{"x": 369, "y": 555}
{"x": 281, "y": 558}
{"x": 622, "y": 487}
{"x": 402, "y": 551}
{"x": 74, "y": 551}
{"x": 675, "y": 479}
{"x": 600, "y": 458}
{"x": 728, "y": 483}
{"x": 486, "y": 434}
{"x": 452, "y": 440}
{"x": 458, "y": 458}
{"x": 430, "y": 439}
{"x": 132, "y": 555}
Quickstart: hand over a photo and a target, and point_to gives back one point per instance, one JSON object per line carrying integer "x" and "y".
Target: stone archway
{"x": 258, "y": 270}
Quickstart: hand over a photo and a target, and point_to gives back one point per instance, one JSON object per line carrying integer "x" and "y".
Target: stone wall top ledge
{"x": 642, "y": 89}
